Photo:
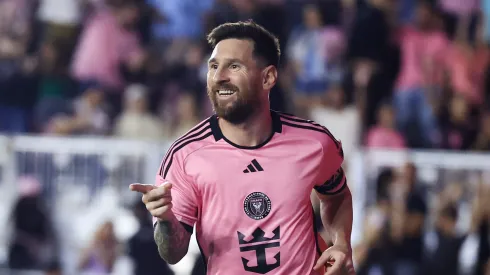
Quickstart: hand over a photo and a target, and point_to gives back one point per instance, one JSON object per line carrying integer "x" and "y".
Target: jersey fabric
{"x": 251, "y": 205}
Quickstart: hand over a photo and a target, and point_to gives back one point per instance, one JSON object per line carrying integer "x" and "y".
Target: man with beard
{"x": 244, "y": 176}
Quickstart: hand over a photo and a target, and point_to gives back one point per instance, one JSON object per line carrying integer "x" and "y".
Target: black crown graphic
{"x": 258, "y": 236}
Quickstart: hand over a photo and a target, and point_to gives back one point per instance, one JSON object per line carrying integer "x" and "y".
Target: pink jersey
{"x": 251, "y": 205}
{"x": 418, "y": 50}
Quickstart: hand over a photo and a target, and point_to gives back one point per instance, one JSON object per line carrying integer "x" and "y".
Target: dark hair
{"x": 266, "y": 45}
{"x": 450, "y": 211}
{"x": 383, "y": 182}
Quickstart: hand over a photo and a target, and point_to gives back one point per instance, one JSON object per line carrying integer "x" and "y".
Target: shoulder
{"x": 197, "y": 137}
{"x": 307, "y": 129}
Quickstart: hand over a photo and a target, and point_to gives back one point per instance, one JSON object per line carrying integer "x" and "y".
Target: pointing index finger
{"x": 141, "y": 188}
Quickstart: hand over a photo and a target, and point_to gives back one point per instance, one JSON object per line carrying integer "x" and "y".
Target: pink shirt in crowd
{"x": 467, "y": 67}
{"x": 251, "y": 205}
{"x": 418, "y": 50}
{"x": 381, "y": 137}
{"x": 103, "y": 46}
{"x": 460, "y": 7}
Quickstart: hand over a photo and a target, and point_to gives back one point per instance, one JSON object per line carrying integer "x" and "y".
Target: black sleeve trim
{"x": 333, "y": 183}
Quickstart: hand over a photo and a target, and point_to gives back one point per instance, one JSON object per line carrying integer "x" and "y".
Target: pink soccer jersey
{"x": 251, "y": 205}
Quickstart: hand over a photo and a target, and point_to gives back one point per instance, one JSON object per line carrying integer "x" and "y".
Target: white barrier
{"x": 85, "y": 182}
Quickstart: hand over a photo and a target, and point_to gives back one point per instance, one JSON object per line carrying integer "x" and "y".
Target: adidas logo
{"x": 253, "y": 167}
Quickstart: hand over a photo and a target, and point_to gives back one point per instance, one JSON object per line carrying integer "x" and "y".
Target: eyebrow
{"x": 228, "y": 60}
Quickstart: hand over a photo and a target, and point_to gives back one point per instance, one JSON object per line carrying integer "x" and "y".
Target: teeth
{"x": 225, "y": 92}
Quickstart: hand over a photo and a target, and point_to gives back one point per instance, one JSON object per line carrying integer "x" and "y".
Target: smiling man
{"x": 244, "y": 176}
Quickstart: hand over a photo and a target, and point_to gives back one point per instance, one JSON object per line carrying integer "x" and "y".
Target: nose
{"x": 220, "y": 75}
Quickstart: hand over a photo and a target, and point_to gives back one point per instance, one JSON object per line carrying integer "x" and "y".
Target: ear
{"x": 269, "y": 77}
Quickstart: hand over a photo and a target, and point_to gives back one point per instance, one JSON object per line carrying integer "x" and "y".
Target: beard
{"x": 238, "y": 111}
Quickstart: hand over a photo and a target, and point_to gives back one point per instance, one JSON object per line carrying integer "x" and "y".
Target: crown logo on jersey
{"x": 259, "y": 236}
{"x": 254, "y": 166}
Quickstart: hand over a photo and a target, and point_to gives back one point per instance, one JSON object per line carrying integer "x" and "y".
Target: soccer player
{"x": 244, "y": 176}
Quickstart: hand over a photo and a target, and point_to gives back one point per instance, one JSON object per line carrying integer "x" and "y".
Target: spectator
{"x": 482, "y": 142}
{"x": 467, "y": 63}
{"x": 14, "y": 37}
{"x": 14, "y": 27}
{"x": 107, "y": 43}
{"x": 475, "y": 253}
{"x": 136, "y": 121}
{"x": 408, "y": 215}
{"x": 101, "y": 255}
{"x": 54, "y": 82}
{"x": 309, "y": 50}
{"x": 83, "y": 116}
{"x": 458, "y": 127}
{"x": 443, "y": 258}
{"x": 343, "y": 120}
{"x": 61, "y": 20}
{"x": 372, "y": 56}
{"x": 185, "y": 118}
{"x": 33, "y": 243}
{"x": 374, "y": 254}
{"x": 142, "y": 248}
{"x": 422, "y": 50}
{"x": 384, "y": 133}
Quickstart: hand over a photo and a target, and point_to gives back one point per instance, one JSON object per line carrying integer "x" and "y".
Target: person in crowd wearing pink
{"x": 384, "y": 133}
{"x": 107, "y": 42}
{"x": 422, "y": 55}
{"x": 468, "y": 62}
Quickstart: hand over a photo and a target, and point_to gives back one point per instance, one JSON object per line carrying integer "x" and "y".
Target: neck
{"x": 253, "y": 132}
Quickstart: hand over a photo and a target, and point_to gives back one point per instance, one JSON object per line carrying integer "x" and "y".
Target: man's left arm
{"x": 335, "y": 208}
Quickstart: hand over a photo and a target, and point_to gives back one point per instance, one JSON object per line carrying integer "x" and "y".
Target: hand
{"x": 158, "y": 199}
{"x": 61, "y": 125}
{"x": 337, "y": 260}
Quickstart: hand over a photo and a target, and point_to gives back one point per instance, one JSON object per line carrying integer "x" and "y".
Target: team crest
{"x": 257, "y": 205}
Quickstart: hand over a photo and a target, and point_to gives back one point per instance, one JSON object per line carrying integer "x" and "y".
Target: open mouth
{"x": 225, "y": 92}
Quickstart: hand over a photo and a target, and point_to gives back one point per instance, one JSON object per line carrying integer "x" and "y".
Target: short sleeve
{"x": 184, "y": 198}
{"x": 331, "y": 177}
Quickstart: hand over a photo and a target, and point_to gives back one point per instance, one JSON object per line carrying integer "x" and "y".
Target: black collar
{"x": 276, "y": 128}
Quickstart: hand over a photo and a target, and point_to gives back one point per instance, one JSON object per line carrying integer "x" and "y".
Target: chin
{"x": 235, "y": 115}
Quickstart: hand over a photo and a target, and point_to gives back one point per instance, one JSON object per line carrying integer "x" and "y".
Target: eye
{"x": 234, "y": 66}
{"x": 213, "y": 66}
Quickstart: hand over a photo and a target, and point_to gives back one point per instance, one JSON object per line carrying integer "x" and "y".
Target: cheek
{"x": 209, "y": 84}
{"x": 244, "y": 81}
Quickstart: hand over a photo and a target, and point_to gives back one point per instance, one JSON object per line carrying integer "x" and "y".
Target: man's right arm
{"x": 172, "y": 240}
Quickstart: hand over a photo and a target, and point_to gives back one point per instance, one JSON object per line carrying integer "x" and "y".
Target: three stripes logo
{"x": 253, "y": 167}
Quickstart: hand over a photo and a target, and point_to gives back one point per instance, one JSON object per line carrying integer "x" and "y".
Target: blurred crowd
{"x": 416, "y": 227}
{"x": 377, "y": 73}
{"x": 388, "y": 74}
{"x": 36, "y": 245}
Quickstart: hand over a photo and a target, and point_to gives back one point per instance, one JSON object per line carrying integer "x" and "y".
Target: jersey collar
{"x": 218, "y": 135}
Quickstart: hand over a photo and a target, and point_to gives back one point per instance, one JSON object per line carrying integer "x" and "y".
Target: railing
{"x": 86, "y": 176}
{"x": 90, "y": 177}
{"x": 435, "y": 169}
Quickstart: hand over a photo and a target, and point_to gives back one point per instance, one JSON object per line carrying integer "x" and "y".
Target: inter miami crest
{"x": 257, "y": 205}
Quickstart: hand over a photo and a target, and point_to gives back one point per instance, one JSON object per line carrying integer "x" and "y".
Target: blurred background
{"x": 92, "y": 92}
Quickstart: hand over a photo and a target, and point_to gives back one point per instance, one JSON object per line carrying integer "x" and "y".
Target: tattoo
{"x": 172, "y": 240}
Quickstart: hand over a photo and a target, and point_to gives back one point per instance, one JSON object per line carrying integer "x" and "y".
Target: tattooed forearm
{"x": 172, "y": 240}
